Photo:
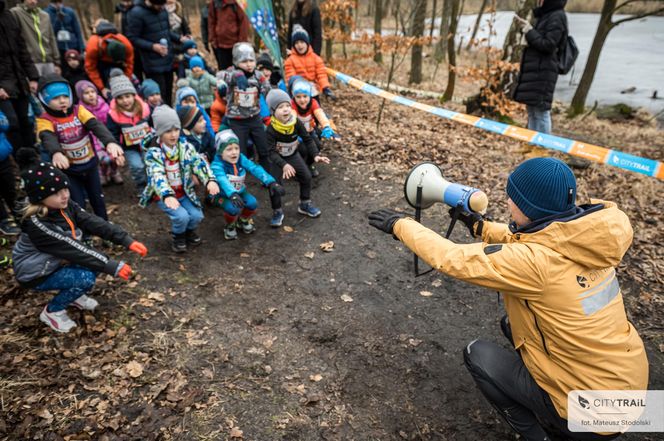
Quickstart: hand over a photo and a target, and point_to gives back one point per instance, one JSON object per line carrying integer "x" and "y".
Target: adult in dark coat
{"x": 307, "y": 14}
{"x": 66, "y": 27}
{"x": 148, "y": 30}
{"x": 539, "y": 63}
{"x": 18, "y": 77}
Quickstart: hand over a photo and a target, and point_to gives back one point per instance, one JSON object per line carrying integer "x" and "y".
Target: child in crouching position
{"x": 287, "y": 153}
{"x": 49, "y": 255}
{"x": 230, "y": 168}
{"x": 172, "y": 163}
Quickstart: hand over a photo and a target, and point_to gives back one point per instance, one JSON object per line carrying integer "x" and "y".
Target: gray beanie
{"x": 164, "y": 119}
{"x": 243, "y": 51}
{"x": 120, "y": 84}
{"x": 276, "y": 97}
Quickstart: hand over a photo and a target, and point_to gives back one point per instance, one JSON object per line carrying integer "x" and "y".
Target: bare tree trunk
{"x": 106, "y": 8}
{"x": 418, "y": 32}
{"x": 433, "y": 18}
{"x": 511, "y": 49}
{"x": 378, "y": 29}
{"x": 451, "y": 53}
{"x": 282, "y": 24}
{"x": 328, "y": 41}
{"x": 476, "y": 27}
{"x": 441, "y": 47}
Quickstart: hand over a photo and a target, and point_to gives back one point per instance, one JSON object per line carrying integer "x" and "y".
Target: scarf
{"x": 285, "y": 129}
{"x": 170, "y": 152}
{"x": 174, "y": 20}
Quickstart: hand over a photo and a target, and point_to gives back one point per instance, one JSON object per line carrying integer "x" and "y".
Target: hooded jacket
{"x": 16, "y": 65}
{"x": 309, "y": 66}
{"x": 231, "y": 177}
{"x": 145, "y": 27}
{"x": 561, "y": 294}
{"x": 98, "y": 63}
{"x": 38, "y": 34}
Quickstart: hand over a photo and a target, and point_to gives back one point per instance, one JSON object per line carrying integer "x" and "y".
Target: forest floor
{"x": 270, "y": 337}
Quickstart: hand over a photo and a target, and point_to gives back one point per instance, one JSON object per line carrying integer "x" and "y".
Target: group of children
{"x": 220, "y": 125}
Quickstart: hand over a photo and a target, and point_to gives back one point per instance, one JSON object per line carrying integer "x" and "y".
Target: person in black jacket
{"x": 49, "y": 255}
{"x": 307, "y": 14}
{"x": 539, "y": 64}
{"x": 18, "y": 77}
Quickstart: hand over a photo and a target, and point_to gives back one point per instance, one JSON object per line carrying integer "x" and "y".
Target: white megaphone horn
{"x": 427, "y": 179}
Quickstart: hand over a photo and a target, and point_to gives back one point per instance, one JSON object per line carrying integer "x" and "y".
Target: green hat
{"x": 224, "y": 139}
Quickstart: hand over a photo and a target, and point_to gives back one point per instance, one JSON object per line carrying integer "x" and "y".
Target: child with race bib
{"x": 230, "y": 167}
{"x": 129, "y": 122}
{"x": 64, "y": 131}
{"x": 172, "y": 163}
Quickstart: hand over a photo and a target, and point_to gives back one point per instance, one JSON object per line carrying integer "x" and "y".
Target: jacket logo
{"x": 582, "y": 281}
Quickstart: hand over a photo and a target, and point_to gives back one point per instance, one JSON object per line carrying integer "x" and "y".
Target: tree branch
{"x": 636, "y": 17}
{"x": 620, "y": 6}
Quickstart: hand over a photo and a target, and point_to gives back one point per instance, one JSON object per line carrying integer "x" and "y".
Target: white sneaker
{"x": 58, "y": 321}
{"x": 85, "y": 302}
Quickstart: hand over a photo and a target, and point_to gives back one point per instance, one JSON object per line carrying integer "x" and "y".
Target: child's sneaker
{"x": 179, "y": 244}
{"x": 58, "y": 321}
{"x": 308, "y": 209}
{"x": 192, "y": 238}
{"x": 247, "y": 225}
{"x": 9, "y": 227}
{"x": 277, "y": 219}
{"x": 230, "y": 231}
{"x": 86, "y": 303}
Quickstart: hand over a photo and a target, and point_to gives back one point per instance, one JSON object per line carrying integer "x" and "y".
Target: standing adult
{"x": 227, "y": 25}
{"x": 539, "y": 63}
{"x": 39, "y": 37}
{"x": 105, "y": 50}
{"x": 149, "y": 31}
{"x": 176, "y": 18}
{"x": 307, "y": 14}
{"x": 120, "y": 20}
{"x": 18, "y": 77}
{"x": 66, "y": 27}
{"x": 205, "y": 10}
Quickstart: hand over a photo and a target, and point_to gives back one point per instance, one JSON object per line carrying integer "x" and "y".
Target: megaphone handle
{"x": 455, "y": 216}
{"x": 418, "y": 217}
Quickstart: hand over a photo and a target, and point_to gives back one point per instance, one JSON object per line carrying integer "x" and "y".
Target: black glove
{"x": 328, "y": 93}
{"x": 237, "y": 201}
{"x": 275, "y": 188}
{"x": 473, "y": 221}
{"x": 384, "y": 219}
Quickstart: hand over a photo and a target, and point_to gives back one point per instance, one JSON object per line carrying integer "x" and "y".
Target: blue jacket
{"x": 5, "y": 146}
{"x": 203, "y": 145}
{"x": 145, "y": 28}
{"x": 225, "y": 171}
{"x": 66, "y": 20}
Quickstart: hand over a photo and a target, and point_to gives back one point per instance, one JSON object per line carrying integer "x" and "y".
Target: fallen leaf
{"x": 236, "y": 433}
{"x": 156, "y": 296}
{"x": 315, "y": 378}
{"x": 426, "y": 293}
{"x": 288, "y": 229}
{"x": 134, "y": 369}
{"x": 44, "y": 413}
{"x": 309, "y": 255}
{"x": 244, "y": 255}
{"x": 437, "y": 283}
{"x": 327, "y": 247}
{"x": 372, "y": 254}
{"x": 414, "y": 341}
{"x": 346, "y": 298}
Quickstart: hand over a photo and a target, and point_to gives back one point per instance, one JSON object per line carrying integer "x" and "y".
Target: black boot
{"x": 179, "y": 244}
{"x": 192, "y": 238}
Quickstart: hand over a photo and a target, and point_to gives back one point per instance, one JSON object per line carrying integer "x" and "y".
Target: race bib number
{"x": 78, "y": 152}
{"x": 287, "y": 148}
{"x": 135, "y": 134}
{"x": 173, "y": 174}
{"x": 308, "y": 122}
{"x": 63, "y": 36}
{"x": 246, "y": 98}
{"x": 237, "y": 181}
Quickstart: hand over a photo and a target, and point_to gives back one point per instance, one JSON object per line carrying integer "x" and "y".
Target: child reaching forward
{"x": 230, "y": 167}
{"x": 287, "y": 153}
{"x": 172, "y": 163}
{"x": 49, "y": 254}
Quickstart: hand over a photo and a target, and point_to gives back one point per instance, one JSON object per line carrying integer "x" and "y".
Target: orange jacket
{"x": 217, "y": 111}
{"x": 310, "y": 66}
{"x": 95, "y": 53}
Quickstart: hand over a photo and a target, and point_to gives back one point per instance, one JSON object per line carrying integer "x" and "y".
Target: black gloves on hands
{"x": 329, "y": 94}
{"x": 384, "y": 219}
{"x": 237, "y": 201}
{"x": 275, "y": 188}
{"x": 473, "y": 221}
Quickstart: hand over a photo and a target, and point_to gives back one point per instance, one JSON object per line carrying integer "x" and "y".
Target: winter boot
{"x": 179, "y": 244}
{"x": 192, "y": 237}
{"x": 230, "y": 231}
{"x": 247, "y": 225}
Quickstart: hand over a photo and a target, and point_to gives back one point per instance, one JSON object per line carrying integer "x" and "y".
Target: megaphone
{"x": 427, "y": 180}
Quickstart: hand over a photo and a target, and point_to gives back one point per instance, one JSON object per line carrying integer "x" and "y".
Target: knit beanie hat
{"x": 264, "y": 61}
{"x": 542, "y": 187}
{"x": 149, "y": 88}
{"x": 120, "y": 84}
{"x": 189, "y": 116}
{"x": 72, "y": 53}
{"x": 299, "y": 34}
{"x": 224, "y": 139}
{"x": 222, "y": 87}
{"x": 243, "y": 52}
{"x": 276, "y": 97}
{"x": 52, "y": 86}
{"x": 184, "y": 92}
{"x": 41, "y": 180}
{"x": 189, "y": 44}
{"x": 164, "y": 119}
{"x": 82, "y": 86}
{"x": 196, "y": 61}
{"x": 301, "y": 86}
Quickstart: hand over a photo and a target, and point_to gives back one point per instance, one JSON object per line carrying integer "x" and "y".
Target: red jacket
{"x": 95, "y": 52}
{"x": 310, "y": 66}
{"x": 227, "y": 24}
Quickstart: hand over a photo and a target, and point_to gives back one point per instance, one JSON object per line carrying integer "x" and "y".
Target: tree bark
{"x": 433, "y": 18}
{"x": 281, "y": 21}
{"x": 378, "y": 29}
{"x": 416, "y": 51}
{"x": 451, "y": 53}
{"x": 441, "y": 47}
{"x": 106, "y": 8}
{"x": 476, "y": 27}
{"x": 511, "y": 49}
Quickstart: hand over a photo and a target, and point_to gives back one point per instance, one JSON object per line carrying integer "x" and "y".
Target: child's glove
{"x": 124, "y": 272}
{"x": 473, "y": 221}
{"x": 275, "y": 188}
{"x": 241, "y": 80}
{"x": 138, "y": 248}
{"x": 237, "y": 201}
{"x": 327, "y": 133}
{"x": 328, "y": 93}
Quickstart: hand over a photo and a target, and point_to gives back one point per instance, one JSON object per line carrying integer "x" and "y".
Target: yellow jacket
{"x": 561, "y": 295}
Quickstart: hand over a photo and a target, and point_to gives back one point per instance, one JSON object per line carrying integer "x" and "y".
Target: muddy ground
{"x": 271, "y": 338}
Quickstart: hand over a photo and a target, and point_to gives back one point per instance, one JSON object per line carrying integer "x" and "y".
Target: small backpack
{"x": 115, "y": 49}
{"x": 568, "y": 52}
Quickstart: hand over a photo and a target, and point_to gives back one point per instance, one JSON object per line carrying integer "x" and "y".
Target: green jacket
{"x": 205, "y": 85}
{"x": 38, "y": 34}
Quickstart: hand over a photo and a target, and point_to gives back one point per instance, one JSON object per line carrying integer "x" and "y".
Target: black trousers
{"x": 87, "y": 183}
{"x": 302, "y": 174}
{"x": 20, "y": 132}
{"x": 165, "y": 82}
{"x": 506, "y": 383}
{"x": 7, "y": 187}
{"x": 224, "y": 57}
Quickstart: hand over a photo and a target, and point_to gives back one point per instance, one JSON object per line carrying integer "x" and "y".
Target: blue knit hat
{"x": 149, "y": 88}
{"x": 301, "y": 87}
{"x": 196, "y": 61}
{"x": 299, "y": 34}
{"x": 184, "y": 92}
{"x": 189, "y": 44}
{"x": 54, "y": 90}
{"x": 542, "y": 187}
